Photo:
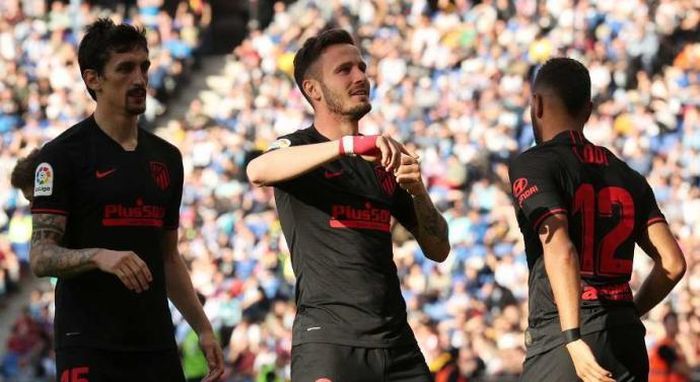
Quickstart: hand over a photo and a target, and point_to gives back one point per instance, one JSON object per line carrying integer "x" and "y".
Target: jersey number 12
{"x": 598, "y": 259}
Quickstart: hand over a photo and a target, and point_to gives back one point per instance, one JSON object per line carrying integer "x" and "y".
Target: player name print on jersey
{"x": 43, "y": 180}
{"x": 369, "y": 217}
{"x": 587, "y": 152}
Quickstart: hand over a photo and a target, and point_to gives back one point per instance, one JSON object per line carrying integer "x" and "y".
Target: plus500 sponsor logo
{"x": 138, "y": 215}
{"x": 369, "y": 217}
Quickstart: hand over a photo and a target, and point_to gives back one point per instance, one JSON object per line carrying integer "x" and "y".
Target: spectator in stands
{"x": 459, "y": 95}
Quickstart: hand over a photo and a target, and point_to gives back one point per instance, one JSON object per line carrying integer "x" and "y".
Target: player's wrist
{"x": 352, "y": 145}
{"x": 571, "y": 335}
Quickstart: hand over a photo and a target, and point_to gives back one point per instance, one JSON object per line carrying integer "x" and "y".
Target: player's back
{"x": 608, "y": 205}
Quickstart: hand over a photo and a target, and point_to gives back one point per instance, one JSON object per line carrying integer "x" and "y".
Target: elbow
{"x": 255, "y": 173}
{"x": 677, "y": 268}
{"x": 35, "y": 264}
{"x": 440, "y": 255}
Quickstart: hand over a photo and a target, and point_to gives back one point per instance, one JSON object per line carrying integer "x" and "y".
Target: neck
{"x": 559, "y": 125}
{"x": 333, "y": 126}
{"x": 121, "y": 127}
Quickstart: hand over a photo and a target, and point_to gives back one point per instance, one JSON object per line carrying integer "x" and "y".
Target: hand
{"x": 126, "y": 265}
{"x": 408, "y": 176}
{"x": 392, "y": 151}
{"x": 215, "y": 357}
{"x": 587, "y": 367}
{"x": 375, "y": 148}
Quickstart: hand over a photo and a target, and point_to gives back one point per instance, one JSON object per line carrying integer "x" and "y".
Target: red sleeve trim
{"x": 547, "y": 214}
{"x": 655, "y": 220}
{"x": 49, "y": 211}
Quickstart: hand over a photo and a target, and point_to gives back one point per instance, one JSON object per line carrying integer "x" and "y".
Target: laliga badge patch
{"x": 43, "y": 180}
{"x": 279, "y": 144}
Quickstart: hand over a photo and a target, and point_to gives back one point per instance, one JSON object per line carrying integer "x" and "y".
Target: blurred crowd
{"x": 451, "y": 79}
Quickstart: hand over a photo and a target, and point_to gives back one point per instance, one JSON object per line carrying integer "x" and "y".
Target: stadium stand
{"x": 450, "y": 78}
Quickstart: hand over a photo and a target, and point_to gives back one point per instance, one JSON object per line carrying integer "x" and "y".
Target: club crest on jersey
{"x": 387, "y": 182}
{"x": 43, "y": 180}
{"x": 160, "y": 175}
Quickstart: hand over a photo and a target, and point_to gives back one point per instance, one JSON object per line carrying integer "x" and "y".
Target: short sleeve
{"x": 294, "y": 139}
{"x": 284, "y": 142}
{"x": 52, "y": 182}
{"x": 650, "y": 211}
{"x": 534, "y": 180}
{"x": 172, "y": 213}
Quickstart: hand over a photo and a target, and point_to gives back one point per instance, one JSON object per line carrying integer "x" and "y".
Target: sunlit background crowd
{"x": 451, "y": 80}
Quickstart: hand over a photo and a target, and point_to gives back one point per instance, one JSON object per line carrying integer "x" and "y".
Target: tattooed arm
{"x": 431, "y": 228}
{"x": 48, "y": 258}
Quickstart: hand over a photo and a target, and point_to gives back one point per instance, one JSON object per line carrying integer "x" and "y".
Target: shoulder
{"x": 160, "y": 144}
{"x": 299, "y": 137}
{"x": 543, "y": 157}
{"x": 74, "y": 135}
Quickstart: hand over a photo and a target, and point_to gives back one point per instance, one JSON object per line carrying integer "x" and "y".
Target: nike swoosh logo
{"x": 331, "y": 175}
{"x": 101, "y": 174}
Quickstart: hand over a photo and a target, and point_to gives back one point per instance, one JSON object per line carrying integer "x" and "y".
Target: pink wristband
{"x": 358, "y": 145}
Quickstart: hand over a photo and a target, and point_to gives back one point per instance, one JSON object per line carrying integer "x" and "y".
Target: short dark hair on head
{"x": 569, "y": 80}
{"x": 102, "y": 38}
{"x": 22, "y": 176}
{"x": 312, "y": 50}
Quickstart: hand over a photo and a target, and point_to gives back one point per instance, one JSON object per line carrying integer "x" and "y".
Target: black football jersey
{"x": 337, "y": 221}
{"x": 608, "y": 206}
{"x": 119, "y": 200}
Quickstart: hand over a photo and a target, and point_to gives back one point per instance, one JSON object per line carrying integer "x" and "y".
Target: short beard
{"x": 335, "y": 105}
{"x": 136, "y": 110}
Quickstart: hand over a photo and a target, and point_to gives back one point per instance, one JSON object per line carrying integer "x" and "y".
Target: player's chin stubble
{"x": 134, "y": 109}
{"x": 336, "y": 106}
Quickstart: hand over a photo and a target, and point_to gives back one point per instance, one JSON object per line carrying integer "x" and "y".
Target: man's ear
{"x": 538, "y": 104}
{"x": 92, "y": 80}
{"x": 312, "y": 88}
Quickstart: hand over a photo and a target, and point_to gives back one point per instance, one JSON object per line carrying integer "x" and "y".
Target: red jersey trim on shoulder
{"x": 49, "y": 211}
{"x": 556, "y": 211}
{"x": 655, "y": 220}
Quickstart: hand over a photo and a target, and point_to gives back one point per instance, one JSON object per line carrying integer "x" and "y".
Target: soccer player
{"x": 22, "y": 177}
{"x": 105, "y": 217}
{"x": 336, "y": 192}
{"x": 581, "y": 210}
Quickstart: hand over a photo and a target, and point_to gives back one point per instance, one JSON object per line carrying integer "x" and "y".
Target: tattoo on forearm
{"x": 431, "y": 223}
{"x": 48, "y": 257}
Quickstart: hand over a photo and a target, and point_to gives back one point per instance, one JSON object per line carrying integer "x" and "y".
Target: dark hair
{"x": 312, "y": 50}
{"x": 22, "y": 176}
{"x": 569, "y": 80}
{"x": 102, "y": 38}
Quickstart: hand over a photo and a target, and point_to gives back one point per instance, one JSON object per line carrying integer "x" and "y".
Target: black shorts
{"x": 317, "y": 362}
{"x": 620, "y": 350}
{"x": 95, "y": 365}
